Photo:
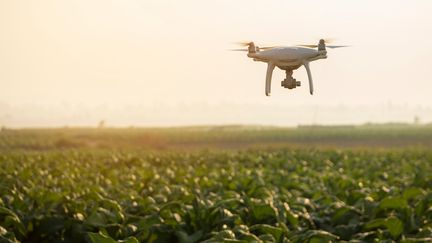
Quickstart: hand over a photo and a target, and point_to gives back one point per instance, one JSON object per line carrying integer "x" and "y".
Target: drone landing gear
{"x": 289, "y": 82}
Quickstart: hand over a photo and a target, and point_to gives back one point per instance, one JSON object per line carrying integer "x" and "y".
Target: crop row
{"x": 238, "y": 196}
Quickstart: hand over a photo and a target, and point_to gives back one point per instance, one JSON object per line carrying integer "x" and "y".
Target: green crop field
{"x": 369, "y": 183}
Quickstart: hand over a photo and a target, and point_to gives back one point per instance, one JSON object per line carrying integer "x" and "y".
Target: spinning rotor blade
{"x": 324, "y": 42}
{"x": 333, "y": 47}
{"x": 237, "y": 49}
{"x": 310, "y": 46}
{"x": 248, "y": 43}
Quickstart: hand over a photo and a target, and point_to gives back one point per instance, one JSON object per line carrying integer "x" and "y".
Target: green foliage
{"x": 254, "y": 195}
{"x": 100, "y": 238}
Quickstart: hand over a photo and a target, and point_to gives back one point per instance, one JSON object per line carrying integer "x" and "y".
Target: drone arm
{"x": 270, "y": 68}
{"x": 311, "y": 89}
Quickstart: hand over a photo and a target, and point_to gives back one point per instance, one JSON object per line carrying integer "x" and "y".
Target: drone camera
{"x": 290, "y": 83}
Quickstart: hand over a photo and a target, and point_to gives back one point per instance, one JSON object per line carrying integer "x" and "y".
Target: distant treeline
{"x": 225, "y": 137}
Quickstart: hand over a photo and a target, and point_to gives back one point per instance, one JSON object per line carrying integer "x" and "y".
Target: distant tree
{"x": 416, "y": 120}
{"x": 101, "y": 124}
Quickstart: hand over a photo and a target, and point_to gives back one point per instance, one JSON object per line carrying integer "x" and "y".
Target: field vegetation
{"x": 369, "y": 183}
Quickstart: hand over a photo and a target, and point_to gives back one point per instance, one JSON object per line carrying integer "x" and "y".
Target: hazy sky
{"x": 86, "y": 54}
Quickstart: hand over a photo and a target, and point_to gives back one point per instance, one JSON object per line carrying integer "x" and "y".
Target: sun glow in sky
{"x": 155, "y": 54}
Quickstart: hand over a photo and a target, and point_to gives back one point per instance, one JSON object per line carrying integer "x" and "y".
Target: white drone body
{"x": 288, "y": 59}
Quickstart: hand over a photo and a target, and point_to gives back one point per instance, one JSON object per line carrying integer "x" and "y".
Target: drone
{"x": 287, "y": 58}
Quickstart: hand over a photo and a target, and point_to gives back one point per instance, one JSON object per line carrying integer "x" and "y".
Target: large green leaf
{"x": 100, "y": 238}
{"x": 10, "y": 219}
{"x": 411, "y": 193}
{"x": 268, "y": 229}
{"x": 263, "y": 211}
{"x": 394, "y": 225}
{"x": 129, "y": 240}
{"x": 184, "y": 237}
{"x": 97, "y": 219}
{"x": 393, "y": 203}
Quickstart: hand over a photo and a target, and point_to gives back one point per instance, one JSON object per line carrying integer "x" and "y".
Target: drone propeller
{"x": 333, "y": 47}
{"x": 310, "y": 46}
{"x": 243, "y": 49}
{"x": 327, "y": 46}
{"x": 248, "y": 43}
{"x": 324, "y": 42}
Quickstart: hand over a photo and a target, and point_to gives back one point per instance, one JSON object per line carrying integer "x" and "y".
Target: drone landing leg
{"x": 270, "y": 68}
{"x": 311, "y": 89}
